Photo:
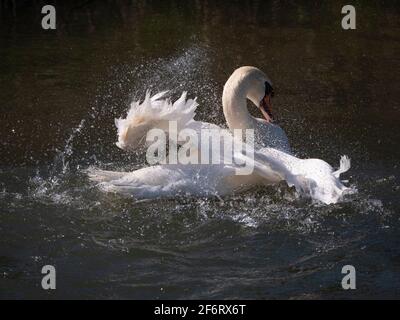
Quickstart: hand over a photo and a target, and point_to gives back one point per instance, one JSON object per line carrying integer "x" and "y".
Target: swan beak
{"x": 266, "y": 108}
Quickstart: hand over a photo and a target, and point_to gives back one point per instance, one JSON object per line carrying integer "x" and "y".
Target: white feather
{"x": 344, "y": 166}
{"x": 153, "y": 113}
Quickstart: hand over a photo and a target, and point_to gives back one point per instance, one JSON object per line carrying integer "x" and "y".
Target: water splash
{"x": 64, "y": 156}
{"x": 52, "y": 183}
{"x": 62, "y": 182}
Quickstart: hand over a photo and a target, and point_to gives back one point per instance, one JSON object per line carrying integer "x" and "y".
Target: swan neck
{"x": 234, "y": 102}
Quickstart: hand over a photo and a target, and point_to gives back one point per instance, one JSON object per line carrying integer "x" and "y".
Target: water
{"x": 336, "y": 93}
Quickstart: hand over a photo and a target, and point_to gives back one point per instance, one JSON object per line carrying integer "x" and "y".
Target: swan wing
{"x": 312, "y": 178}
{"x": 153, "y": 112}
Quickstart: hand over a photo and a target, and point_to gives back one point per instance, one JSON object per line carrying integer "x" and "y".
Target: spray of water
{"x": 63, "y": 183}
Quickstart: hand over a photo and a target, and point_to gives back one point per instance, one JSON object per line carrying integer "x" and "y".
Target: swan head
{"x": 259, "y": 90}
{"x": 253, "y": 84}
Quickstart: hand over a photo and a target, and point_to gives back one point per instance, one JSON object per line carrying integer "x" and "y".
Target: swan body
{"x": 272, "y": 160}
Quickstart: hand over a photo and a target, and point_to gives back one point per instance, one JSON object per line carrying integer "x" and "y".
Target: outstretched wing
{"x": 153, "y": 112}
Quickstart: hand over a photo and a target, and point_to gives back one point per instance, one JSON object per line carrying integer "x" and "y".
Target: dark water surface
{"x": 337, "y": 92}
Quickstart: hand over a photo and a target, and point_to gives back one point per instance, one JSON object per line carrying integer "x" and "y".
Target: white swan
{"x": 272, "y": 161}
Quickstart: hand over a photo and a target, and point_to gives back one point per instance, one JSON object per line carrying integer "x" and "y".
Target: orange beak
{"x": 266, "y": 108}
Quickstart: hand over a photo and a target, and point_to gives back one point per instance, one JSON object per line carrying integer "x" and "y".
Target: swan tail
{"x": 113, "y": 182}
{"x": 344, "y": 166}
{"x": 100, "y": 176}
{"x": 139, "y": 192}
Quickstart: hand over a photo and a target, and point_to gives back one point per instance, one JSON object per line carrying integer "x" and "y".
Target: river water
{"x": 60, "y": 90}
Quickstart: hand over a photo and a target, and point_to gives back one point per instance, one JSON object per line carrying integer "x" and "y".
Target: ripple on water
{"x": 211, "y": 248}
